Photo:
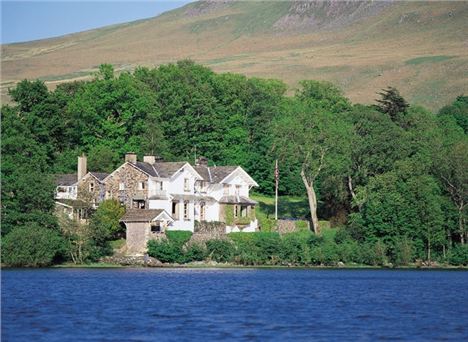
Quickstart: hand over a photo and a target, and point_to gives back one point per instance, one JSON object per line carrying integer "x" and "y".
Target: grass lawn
{"x": 289, "y": 207}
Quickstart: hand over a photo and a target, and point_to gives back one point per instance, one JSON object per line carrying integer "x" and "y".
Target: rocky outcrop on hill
{"x": 330, "y": 15}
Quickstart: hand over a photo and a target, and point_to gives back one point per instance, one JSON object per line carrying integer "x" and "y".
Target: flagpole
{"x": 276, "y": 189}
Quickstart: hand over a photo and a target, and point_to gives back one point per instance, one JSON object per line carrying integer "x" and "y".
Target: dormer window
{"x": 238, "y": 188}
{"x": 186, "y": 184}
{"x": 91, "y": 187}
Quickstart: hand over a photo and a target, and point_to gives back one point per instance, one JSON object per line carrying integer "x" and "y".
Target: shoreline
{"x": 235, "y": 266}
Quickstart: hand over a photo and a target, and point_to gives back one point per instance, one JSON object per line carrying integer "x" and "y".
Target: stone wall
{"x": 130, "y": 176}
{"x": 290, "y": 226}
{"x": 85, "y": 194}
{"x": 137, "y": 237}
{"x": 205, "y": 231}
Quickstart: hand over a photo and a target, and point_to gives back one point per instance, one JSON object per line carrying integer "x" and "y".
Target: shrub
{"x": 402, "y": 251}
{"x": 220, "y": 250}
{"x": 31, "y": 246}
{"x": 165, "y": 251}
{"x": 294, "y": 248}
{"x": 195, "y": 252}
{"x": 342, "y": 236}
{"x": 458, "y": 255}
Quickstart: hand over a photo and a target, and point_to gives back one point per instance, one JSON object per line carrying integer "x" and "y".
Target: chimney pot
{"x": 131, "y": 157}
{"x": 149, "y": 159}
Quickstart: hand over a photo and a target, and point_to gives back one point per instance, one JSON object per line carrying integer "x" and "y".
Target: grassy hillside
{"x": 419, "y": 47}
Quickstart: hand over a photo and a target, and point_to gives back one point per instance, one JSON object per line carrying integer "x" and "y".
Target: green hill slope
{"x": 419, "y": 47}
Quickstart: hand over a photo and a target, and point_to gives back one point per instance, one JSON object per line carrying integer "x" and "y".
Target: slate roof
{"x": 190, "y": 197}
{"x": 204, "y": 172}
{"x": 237, "y": 200}
{"x": 167, "y": 169}
{"x": 140, "y": 215}
{"x": 65, "y": 179}
{"x": 218, "y": 173}
{"x": 100, "y": 175}
{"x": 163, "y": 170}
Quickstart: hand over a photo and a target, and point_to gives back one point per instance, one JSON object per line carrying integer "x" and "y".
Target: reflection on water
{"x": 233, "y": 304}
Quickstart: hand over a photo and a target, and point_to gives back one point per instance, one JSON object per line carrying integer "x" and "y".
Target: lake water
{"x": 233, "y": 304}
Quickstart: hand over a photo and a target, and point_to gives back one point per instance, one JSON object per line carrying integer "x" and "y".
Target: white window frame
{"x": 121, "y": 186}
{"x": 186, "y": 211}
{"x": 186, "y": 184}
{"x": 226, "y": 189}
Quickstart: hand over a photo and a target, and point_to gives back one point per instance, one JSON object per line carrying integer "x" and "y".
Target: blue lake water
{"x": 233, "y": 304}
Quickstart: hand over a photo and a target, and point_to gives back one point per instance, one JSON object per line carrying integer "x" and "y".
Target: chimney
{"x": 82, "y": 167}
{"x": 159, "y": 159}
{"x": 202, "y": 161}
{"x": 131, "y": 157}
{"x": 149, "y": 159}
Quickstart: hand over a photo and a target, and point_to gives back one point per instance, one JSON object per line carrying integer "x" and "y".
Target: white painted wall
{"x": 69, "y": 192}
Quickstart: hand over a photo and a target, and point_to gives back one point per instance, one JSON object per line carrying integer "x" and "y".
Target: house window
{"x": 141, "y": 185}
{"x": 202, "y": 211}
{"x": 186, "y": 210}
{"x": 244, "y": 211}
{"x": 91, "y": 187}
{"x": 108, "y": 194}
{"x": 160, "y": 185}
{"x": 236, "y": 211}
{"x": 226, "y": 189}
{"x": 186, "y": 184}
{"x": 175, "y": 210}
{"x": 238, "y": 187}
{"x": 203, "y": 186}
{"x": 121, "y": 186}
{"x": 156, "y": 227}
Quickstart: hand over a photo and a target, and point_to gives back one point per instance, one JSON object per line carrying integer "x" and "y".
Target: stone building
{"x": 185, "y": 193}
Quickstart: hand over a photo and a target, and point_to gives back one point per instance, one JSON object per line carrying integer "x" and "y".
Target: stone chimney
{"x": 82, "y": 166}
{"x": 131, "y": 157}
{"x": 149, "y": 159}
{"x": 202, "y": 161}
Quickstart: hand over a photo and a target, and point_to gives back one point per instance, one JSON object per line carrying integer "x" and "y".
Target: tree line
{"x": 390, "y": 172}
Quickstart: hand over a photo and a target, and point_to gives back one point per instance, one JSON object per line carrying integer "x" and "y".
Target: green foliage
{"x": 220, "y": 250}
{"x": 106, "y": 220}
{"x": 458, "y": 255}
{"x": 165, "y": 251}
{"x": 31, "y": 246}
{"x": 392, "y": 103}
{"x": 398, "y": 180}
{"x": 178, "y": 237}
{"x": 172, "y": 249}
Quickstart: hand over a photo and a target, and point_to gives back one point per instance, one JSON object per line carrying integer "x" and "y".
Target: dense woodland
{"x": 392, "y": 177}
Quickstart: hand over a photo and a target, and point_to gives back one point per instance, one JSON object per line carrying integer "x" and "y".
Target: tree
{"x": 31, "y": 246}
{"x": 319, "y": 139}
{"x": 105, "y": 221}
{"x": 392, "y": 103}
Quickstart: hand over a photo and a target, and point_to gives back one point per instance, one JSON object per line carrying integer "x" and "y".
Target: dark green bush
{"x": 295, "y": 249}
{"x": 220, "y": 250}
{"x": 458, "y": 255}
{"x": 31, "y": 246}
{"x": 195, "y": 252}
{"x": 342, "y": 235}
{"x": 165, "y": 251}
